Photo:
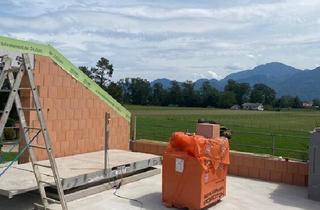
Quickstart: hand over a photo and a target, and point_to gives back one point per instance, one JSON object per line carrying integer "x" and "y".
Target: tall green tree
{"x": 116, "y": 91}
{"x": 262, "y": 93}
{"x": 139, "y": 91}
{"x": 297, "y": 103}
{"x": 126, "y": 95}
{"x": 189, "y": 95}
{"x": 316, "y": 102}
{"x": 102, "y": 73}
{"x": 175, "y": 94}
{"x": 284, "y": 102}
{"x": 86, "y": 70}
{"x": 159, "y": 95}
{"x": 241, "y": 90}
{"x": 209, "y": 96}
{"x": 227, "y": 99}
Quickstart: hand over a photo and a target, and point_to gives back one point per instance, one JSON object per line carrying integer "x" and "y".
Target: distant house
{"x": 253, "y": 106}
{"x": 236, "y": 107}
{"x": 307, "y": 104}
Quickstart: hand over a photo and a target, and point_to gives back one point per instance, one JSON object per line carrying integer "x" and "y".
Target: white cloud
{"x": 213, "y": 75}
{"x": 171, "y": 39}
{"x": 251, "y": 56}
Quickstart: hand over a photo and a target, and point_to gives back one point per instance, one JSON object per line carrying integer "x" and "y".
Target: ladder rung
{"x": 32, "y": 128}
{"x": 11, "y": 127}
{"x": 28, "y": 109}
{"x": 41, "y": 165}
{"x": 24, "y": 88}
{"x": 5, "y": 91}
{"x": 51, "y": 200}
{"x": 11, "y": 70}
{"x": 47, "y": 183}
{"x": 38, "y": 146}
{"x": 13, "y": 142}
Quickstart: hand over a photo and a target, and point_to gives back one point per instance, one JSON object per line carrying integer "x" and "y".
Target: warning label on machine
{"x": 179, "y": 165}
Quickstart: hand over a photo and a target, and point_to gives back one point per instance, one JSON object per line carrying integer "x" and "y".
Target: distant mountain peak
{"x": 284, "y": 79}
{"x": 274, "y": 66}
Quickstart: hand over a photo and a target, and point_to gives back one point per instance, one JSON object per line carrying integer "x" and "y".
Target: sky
{"x": 175, "y": 39}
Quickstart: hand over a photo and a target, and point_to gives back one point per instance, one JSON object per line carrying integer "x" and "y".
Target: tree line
{"x": 138, "y": 91}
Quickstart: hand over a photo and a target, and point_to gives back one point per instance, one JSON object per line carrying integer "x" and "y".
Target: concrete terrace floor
{"x": 242, "y": 194}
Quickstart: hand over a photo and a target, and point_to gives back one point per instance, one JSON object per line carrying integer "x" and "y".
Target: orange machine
{"x": 194, "y": 171}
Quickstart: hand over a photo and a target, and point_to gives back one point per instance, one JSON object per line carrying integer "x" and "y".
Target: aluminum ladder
{"x": 14, "y": 77}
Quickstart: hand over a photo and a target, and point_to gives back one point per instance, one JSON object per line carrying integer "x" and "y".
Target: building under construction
{"x": 72, "y": 131}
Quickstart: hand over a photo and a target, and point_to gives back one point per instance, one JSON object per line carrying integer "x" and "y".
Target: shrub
{"x": 9, "y": 133}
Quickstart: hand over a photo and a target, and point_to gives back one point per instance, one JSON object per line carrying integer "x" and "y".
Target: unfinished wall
{"x": 75, "y": 116}
{"x": 246, "y": 164}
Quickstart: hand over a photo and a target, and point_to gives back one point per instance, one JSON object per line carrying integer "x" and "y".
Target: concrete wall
{"x": 263, "y": 167}
{"x": 75, "y": 116}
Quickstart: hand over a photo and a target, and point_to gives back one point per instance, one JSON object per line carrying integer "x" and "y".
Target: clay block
{"x": 281, "y": 166}
{"x": 253, "y": 172}
{"x": 287, "y": 178}
{"x": 243, "y": 171}
{"x": 233, "y": 170}
{"x": 270, "y": 164}
{"x": 299, "y": 180}
{"x": 207, "y": 130}
{"x": 53, "y": 92}
{"x": 259, "y": 162}
{"x": 264, "y": 174}
{"x": 293, "y": 167}
{"x": 161, "y": 149}
{"x": 235, "y": 159}
{"x": 275, "y": 176}
{"x": 247, "y": 161}
{"x": 303, "y": 169}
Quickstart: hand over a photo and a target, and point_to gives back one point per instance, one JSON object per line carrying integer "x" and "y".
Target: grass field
{"x": 253, "y": 131}
{"x": 7, "y": 156}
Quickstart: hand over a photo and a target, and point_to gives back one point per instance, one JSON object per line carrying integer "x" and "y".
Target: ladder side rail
{"x": 45, "y": 132}
{"x": 3, "y": 76}
{"x": 14, "y": 91}
{"x": 7, "y": 64}
{"x": 26, "y": 137}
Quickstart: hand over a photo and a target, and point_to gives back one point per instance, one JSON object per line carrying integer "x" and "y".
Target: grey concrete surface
{"x": 246, "y": 194}
{"x": 7, "y": 148}
{"x": 243, "y": 194}
{"x": 20, "y": 178}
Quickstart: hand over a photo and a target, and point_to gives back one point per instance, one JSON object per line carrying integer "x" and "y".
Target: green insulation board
{"x": 47, "y": 50}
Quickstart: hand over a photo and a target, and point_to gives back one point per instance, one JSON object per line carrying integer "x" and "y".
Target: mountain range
{"x": 284, "y": 79}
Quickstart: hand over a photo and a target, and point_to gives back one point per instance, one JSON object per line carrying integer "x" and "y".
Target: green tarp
{"x": 66, "y": 65}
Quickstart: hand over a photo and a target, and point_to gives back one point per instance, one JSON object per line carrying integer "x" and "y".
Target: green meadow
{"x": 282, "y": 133}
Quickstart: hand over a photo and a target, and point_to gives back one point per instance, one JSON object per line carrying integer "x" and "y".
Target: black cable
{"x": 116, "y": 186}
{"x": 126, "y": 198}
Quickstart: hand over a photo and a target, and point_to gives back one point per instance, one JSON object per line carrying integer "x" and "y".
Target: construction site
{"x": 74, "y": 150}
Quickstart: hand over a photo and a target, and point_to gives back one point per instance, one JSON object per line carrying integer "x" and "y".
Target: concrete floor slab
{"x": 243, "y": 194}
{"x": 75, "y": 170}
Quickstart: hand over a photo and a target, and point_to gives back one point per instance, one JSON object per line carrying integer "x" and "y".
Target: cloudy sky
{"x": 176, "y": 39}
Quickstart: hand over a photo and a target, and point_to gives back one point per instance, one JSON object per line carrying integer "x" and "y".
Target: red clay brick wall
{"x": 246, "y": 164}
{"x": 268, "y": 168}
{"x": 74, "y": 115}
